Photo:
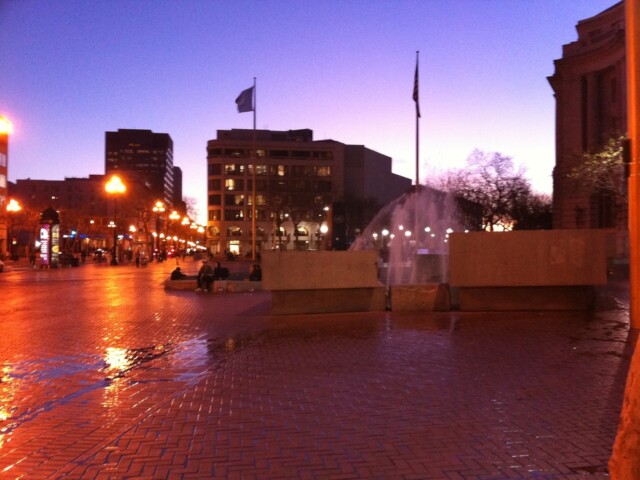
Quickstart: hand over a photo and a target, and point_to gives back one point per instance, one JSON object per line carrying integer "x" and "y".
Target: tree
{"x": 602, "y": 174}
{"x": 603, "y": 170}
{"x": 490, "y": 181}
{"x": 534, "y": 213}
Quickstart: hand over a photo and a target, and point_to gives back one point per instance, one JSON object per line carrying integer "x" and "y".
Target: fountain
{"x": 411, "y": 235}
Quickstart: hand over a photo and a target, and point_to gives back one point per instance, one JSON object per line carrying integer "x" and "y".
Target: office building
{"x": 309, "y": 194}
{"x": 144, "y": 158}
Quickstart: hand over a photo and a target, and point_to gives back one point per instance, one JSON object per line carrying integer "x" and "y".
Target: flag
{"x": 245, "y": 101}
{"x": 415, "y": 91}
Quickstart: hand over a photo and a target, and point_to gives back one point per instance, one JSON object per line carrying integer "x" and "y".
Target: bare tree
{"x": 534, "y": 213}
{"x": 490, "y": 181}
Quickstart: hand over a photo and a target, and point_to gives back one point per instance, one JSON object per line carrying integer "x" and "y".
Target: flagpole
{"x": 253, "y": 193}
{"x": 417, "y": 123}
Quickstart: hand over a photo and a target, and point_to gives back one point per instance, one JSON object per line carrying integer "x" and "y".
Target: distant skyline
{"x": 73, "y": 70}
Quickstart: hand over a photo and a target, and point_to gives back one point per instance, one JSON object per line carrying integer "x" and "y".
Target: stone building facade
{"x": 589, "y": 84}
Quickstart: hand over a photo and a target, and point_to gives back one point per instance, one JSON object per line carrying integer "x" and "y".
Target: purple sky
{"x": 72, "y": 69}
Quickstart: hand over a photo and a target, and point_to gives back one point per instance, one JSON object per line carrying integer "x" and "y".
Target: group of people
{"x": 208, "y": 274}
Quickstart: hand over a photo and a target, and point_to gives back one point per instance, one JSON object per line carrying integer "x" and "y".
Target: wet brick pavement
{"x": 106, "y": 375}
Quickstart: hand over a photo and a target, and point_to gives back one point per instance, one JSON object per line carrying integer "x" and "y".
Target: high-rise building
{"x": 589, "y": 84}
{"x": 305, "y": 190}
{"x": 144, "y": 158}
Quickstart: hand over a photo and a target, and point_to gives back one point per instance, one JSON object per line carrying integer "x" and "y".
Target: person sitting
{"x": 256, "y": 273}
{"x": 205, "y": 277}
{"x": 220, "y": 272}
{"x": 177, "y": 274}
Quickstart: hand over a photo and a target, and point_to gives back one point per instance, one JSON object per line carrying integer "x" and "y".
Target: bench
{"x": 219, "y": 286}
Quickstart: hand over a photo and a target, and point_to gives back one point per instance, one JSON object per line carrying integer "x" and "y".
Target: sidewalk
{"x": 106, "y": 375}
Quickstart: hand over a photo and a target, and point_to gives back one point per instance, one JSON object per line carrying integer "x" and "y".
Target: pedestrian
{"x": 138, "y": 258}
{"x": 220, "y": 272}
{"x": 177, "y": 274}
{"x": 256, "y": 273}
{"x": 205, "y": 277}
{"x": 32, "y": 259}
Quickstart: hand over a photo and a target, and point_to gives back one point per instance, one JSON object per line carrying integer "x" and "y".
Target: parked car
{"x": 1, "y": 266}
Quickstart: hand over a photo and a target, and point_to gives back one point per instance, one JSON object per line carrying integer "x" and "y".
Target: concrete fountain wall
{"x": 322, "y": 281}
{"x": 528, "y": 270}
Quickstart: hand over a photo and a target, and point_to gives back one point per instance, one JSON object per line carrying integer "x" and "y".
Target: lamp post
{"x": 174, "y": 216}
{"x": 115, "y": 187}
{"x": 158, "y": 209}
{"x": 13, "y": 207}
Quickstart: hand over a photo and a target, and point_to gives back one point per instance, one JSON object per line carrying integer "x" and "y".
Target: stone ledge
{"x": 287, "y": 302}
{"x": 219, "y": 286}
{"x": 429, "y": 298}
{"x": 492, "y": 299}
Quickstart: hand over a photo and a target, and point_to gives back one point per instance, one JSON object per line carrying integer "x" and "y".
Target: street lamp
{"x": 115, "y": 187}
{"x": 158, "y": 208}
{"x": 13, "y": 207}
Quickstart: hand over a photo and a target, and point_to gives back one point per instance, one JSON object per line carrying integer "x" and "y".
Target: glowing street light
{"x": 13, "y": 207}
{"x": 6, "y": 127}
{"x": 115, "y": 187}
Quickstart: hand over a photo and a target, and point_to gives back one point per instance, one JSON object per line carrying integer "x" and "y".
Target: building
{"x": 144, "y": 158}
{"x": 5, "y": 130}
{"x": 589, "y": 84}
{"x": 306, "y": 191}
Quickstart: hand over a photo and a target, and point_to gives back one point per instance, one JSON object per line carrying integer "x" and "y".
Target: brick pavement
{"x": 106, "y": 375}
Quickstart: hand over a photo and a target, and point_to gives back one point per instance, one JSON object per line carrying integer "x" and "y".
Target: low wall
{"x": 532, "y": 270}
{"x": 219, "y": 286}
{"x": 322, "y": 281}
{"x": 432, "y": 297}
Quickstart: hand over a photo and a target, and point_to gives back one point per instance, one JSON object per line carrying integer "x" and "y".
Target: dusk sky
{"x": 70, "y": 70}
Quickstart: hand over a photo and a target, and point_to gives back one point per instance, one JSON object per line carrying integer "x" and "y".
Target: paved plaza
{"x": 107, "y": 375}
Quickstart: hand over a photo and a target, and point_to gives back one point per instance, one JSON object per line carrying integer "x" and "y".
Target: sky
{"x": 70, "y": 70}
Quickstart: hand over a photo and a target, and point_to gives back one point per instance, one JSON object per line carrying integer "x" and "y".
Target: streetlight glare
{"x": 115, "y": 185}
{"x": 6, "y": 127}
{"x": 13, "y": 206}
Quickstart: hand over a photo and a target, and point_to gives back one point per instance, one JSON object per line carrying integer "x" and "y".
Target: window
{"x": 235, "y": 152}
{"x": 300, "y": 185}
{"x": 261, "y": 199}
{"x": 323, "y": 186}
{"x": 260, "y": 169}
{"x": 214, "y": 215}
{"x": 214, "y": 199}
{"x": 214, "y": 169}
{"x": 215, "y": 184}
{"x": 324, "y": 171}
{"x": 279, "y": 153}
{"x": 323, "y": 155}
{"x": 231, "y": 200}
{"x": 232, "y": 214}
{"x": 234, "y": 232}
{"x": 233, "y": 184}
